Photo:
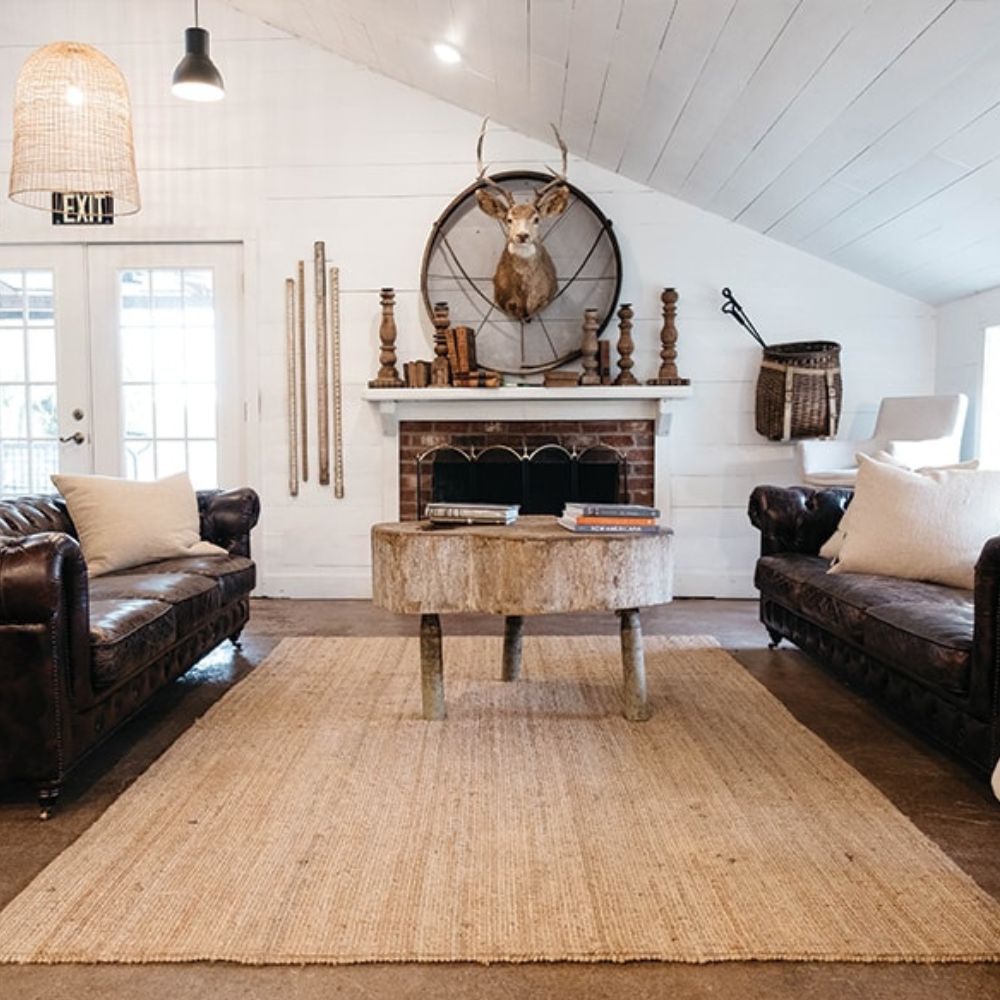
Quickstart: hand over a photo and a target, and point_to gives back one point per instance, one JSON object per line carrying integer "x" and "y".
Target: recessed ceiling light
{"x": 447, "y": 53}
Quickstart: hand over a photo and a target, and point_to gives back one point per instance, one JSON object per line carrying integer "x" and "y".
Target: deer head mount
{"x": 524, "y": 282}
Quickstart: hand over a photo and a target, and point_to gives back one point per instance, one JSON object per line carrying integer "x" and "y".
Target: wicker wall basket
{"x": 799, "y": 390}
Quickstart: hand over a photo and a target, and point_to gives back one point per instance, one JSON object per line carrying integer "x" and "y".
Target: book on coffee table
{"x": 454, "y": 512}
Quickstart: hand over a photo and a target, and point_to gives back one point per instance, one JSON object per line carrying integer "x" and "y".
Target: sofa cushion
{"x": 236, "y": 575}
{"x": 192, "y": 597}
{"x": 930, "y": 640}
{"x": 920, "y": 527}
{"x": 841, "y": 602}
{"x": 124, "y": 522}
{"x": 125, "y": 635}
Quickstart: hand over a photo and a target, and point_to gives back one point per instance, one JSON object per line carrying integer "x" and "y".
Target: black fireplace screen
{"x": 541, "y": 479}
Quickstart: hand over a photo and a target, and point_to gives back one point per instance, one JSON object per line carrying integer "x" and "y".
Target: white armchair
{"x": 915, "y": 430}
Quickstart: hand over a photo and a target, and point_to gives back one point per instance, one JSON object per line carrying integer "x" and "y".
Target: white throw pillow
{"x": 920, "y": 526}
{"x": 122, "y": 523}
{"x": 831, "y": 547}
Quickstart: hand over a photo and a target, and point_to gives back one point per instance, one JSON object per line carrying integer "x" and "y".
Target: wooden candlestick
{"x": 588, "y": 349}
{"x": 440, "y": 368}
{"x": 388, "y": 374}
{"x": 668, "y": 339}
{"x": 625, "y": 346}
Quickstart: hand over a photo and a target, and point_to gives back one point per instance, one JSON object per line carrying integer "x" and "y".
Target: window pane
{"x": 44, "y": 418}
{"x": 15, "y": 468}
{"x": 171, "y": 457}
{"x": 138, "y": 407}
{"x": 170, "y": 411}
{"x": 168, "y": 355}
{"x": 44, "y": 464}
{"x": 13, "y": 411}
{"x": 199, "y": 302}
{"x": 139, "y": 463}
{"x": 137, "y": 354}
{"x": 168, "y": 298}
{"x": 11, "y": 354}
{"x": 42, "y": 354}
{"x": 39, "y": 295}
{"x": 11, "y": 298}
{"x": 134, "y": 287}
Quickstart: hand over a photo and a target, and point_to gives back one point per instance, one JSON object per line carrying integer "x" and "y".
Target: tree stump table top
{"x": 531, "y": 567}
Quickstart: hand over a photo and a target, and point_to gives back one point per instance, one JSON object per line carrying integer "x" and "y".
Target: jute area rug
{"x": 313, "y": 816}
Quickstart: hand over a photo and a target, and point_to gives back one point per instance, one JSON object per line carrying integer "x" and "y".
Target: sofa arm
{"x": 984, "y": 682}
{"x": 796, "y": 518}
{"x": 227, "y": 517}
{"x": 44, "y": 625}
{"x": 42, "y": 576}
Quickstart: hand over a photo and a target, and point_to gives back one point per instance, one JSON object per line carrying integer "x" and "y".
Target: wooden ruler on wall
{"x": 338, "y": 396}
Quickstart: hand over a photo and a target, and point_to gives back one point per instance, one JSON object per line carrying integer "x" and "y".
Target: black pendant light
{"x": 196, "y": 77}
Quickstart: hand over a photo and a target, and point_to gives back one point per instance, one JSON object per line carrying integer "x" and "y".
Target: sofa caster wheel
{"x": 235, "y": 639}
{"x": 776, "y": 638}
{"x": 47, "y": 798}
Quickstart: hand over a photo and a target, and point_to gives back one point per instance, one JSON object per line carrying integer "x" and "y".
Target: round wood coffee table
{"x": 531, "y": 567}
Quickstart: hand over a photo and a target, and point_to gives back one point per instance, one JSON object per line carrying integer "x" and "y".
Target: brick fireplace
{"x": 635, "y": 420}
{"x": 628, "y": 442}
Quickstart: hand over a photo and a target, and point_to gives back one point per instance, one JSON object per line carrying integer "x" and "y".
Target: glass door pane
{"x": 44, "y": 388}
{"x": 165, "y": 315}
{"x": 167, "y": 340}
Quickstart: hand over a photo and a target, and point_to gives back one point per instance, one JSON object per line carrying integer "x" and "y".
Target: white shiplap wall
{"x": 309, "y": 146}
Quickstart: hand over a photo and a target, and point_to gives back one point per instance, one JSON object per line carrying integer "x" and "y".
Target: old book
{"x": 417, "y": 374}
{"x": 609, "y": 529}
{"x": 584, "y": 519}
{"x": 584, "y": 509}
{"x": 560, "y": 379}
{"x": 451, "y": 342}
{"x": 465, "y": 343}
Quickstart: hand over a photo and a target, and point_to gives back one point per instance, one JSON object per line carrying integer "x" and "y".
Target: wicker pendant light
{"x": 72, "y": 129}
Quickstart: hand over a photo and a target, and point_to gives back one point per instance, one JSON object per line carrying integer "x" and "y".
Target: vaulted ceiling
{"x": 864, "y": 131}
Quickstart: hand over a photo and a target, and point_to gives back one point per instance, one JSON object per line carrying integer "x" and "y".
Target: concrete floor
{"x": 953, "y": 807}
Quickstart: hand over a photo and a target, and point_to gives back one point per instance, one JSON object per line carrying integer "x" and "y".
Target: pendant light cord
{"x": 196, "y": 13}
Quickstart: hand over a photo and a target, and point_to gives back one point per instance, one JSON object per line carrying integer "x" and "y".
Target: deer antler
{"x": 481, "y": 174}
{"x": 557, "y": 178}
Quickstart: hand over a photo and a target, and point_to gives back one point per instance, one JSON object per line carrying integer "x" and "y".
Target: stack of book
{"x": 611, "y": 518}
{"x": 456, "y": 512}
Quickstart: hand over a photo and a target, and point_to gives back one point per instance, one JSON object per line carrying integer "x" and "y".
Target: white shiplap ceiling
{"x": 864, "y": 131}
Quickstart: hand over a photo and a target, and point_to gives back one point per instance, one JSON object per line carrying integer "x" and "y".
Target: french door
{"x": 119, "y": 359}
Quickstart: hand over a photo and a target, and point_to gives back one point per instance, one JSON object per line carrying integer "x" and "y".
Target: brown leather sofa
{"x": 80, "y": 656}
{"x": 929, "y": 654}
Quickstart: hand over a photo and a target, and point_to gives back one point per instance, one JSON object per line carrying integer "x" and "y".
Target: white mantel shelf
{"x": 528, "y": 402}
{"x": 517, "y": 393}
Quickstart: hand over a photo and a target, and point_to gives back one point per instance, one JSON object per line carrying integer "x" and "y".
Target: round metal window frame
{"x": 607, "y": 229}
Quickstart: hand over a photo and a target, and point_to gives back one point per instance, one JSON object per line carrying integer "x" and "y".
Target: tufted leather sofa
{"x": 929, "y": 654}
{"x": 79, "y": 656}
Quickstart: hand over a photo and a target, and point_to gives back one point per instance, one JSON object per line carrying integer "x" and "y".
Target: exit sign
{"x": 83, "y": 208}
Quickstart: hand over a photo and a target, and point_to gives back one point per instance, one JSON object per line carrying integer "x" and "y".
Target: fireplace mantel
{"x": 527, "y": 402}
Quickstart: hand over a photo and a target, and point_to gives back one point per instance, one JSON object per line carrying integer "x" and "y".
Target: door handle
{"x": 76, "y": 438}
